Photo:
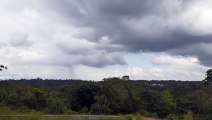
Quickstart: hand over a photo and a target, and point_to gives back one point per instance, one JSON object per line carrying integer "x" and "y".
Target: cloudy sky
{"x": 94, "y": 39}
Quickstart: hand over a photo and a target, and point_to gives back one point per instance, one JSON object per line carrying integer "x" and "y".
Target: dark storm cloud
{"x": 164, "y": 43}
{"x": 138, "y": 25}
{"x": 91, "y": 53}
{"x": 201, "y": 51}
{"x": 130, "y": 26}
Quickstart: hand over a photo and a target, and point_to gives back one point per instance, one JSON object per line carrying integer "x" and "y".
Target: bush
{"x": 188, "y": 116}
{"x": 97, "y": 109}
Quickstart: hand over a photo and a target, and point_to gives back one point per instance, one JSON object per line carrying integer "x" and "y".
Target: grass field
{"x": 71, "y": 117}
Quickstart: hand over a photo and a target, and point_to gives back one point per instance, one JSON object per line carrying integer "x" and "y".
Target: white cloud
{"x": 167, "y": 68}
{"x": 196, "y": 17}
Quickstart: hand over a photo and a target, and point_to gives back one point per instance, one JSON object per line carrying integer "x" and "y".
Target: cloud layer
{"x": 100, "y": 33}
{"x": 147, "y": 25}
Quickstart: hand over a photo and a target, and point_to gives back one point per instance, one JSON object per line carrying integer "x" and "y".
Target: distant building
{"x": 126, "y": 77}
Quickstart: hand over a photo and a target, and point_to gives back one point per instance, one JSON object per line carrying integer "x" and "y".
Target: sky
{"x": 96, "y": 39}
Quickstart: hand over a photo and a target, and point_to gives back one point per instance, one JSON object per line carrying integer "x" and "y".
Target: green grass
{"x": 35, "y": 115}
{"x": 65, "y": 118}
{"x": 21, "y": 111}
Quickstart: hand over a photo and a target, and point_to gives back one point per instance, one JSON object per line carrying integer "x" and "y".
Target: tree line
{"x": 111, "y": 96}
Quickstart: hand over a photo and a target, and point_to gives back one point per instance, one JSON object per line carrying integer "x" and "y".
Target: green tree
{"x": 10, "y": 97}
{"x": 101, "y": 105}
{"x": 166, "y": 103}
{"x": 160, "y": 102}
{"x": 120, "y": 98}
{"x": 38, "y": 99}
{"x": 56, "y": 103}
{"x": 209, "y": 76}
{"x": 55, "y": 106}
{"x": 83, "y": 96}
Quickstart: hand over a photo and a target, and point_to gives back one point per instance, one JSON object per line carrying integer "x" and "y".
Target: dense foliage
{"x": 111, "y": 96}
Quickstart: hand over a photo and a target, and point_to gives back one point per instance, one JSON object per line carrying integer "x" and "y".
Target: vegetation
{"x": 2, "y": 67}
{"x": 208, "y": 78}
{"x": 183, "y": 100}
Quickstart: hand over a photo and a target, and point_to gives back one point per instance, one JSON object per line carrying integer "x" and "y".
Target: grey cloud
{"x": 202, "y": 51}
{"x": 164, "y": 43}
{"x": 19, "y": 39}
{"x": 159, "y": 33}
{"x": 95, "y": 60}
{"x": 130, "y": 25}
{"x": 89, "y": 53}
{"x": 102, "y": 60}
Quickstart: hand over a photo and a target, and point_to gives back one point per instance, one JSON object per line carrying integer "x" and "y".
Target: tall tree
{"x": 83, "y": 96}
{"x": 208, "y": 76}
{"x": 119, "y": 96}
